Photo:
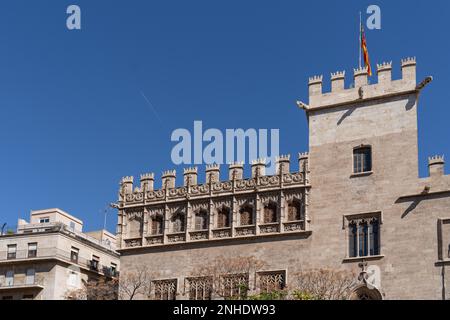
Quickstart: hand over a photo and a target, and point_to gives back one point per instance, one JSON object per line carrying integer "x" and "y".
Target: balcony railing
{"x": 53, "y": 253}
{"x": 39, "y": 282}
{"x": 58, "y": 226}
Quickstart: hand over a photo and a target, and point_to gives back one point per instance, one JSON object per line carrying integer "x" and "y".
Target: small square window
{"x": 44, "y": 220}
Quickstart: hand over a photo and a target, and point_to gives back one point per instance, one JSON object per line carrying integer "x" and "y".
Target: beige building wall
{"x": 414, "y": 213}
{"x": 55, "y": 272}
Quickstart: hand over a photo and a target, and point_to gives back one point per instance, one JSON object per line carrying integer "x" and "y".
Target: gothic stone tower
{"x": 364, "y": 166}
{"x": 355, "y": 203}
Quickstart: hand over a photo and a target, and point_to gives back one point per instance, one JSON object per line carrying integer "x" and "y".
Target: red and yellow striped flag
{"x": 365, "y": 51}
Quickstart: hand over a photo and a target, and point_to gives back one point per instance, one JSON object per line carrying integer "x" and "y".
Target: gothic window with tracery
{"x": 246, "y": 215}
{"x": 157, "y": 225}
{"x": 201, "y": 220}
{"x": 271, "y": 281}
{"x": 179, "y": 222}
{"x": 135, "y": 224}
{"x": 364, "y": 237}
{"x": 235, "y": 286}
{"x": 200, "y": 288}
{"x": 270, "y": 212}
{"x": 165, "y": 289}
{"x": 295, "y": 210}
{"x": 223, "y": 217}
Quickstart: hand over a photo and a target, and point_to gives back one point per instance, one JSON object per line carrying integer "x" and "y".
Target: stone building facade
{"x": 50, "y": 256}
{"x": 356, "y": 202}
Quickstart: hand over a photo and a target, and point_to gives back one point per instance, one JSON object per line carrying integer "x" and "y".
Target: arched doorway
{"x": 364, "y": 293}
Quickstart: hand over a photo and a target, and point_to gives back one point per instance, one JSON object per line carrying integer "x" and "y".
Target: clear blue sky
{"x": 74, "y": 121}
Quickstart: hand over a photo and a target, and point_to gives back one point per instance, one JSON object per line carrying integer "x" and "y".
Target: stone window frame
{"x": 302, "y": 211}
{"x": 234, "y": 276}
{"x": 267, "y": 205}
{"x": 187, "y": 287}
{"x": 183, "y": 222}
{"x": 201, "y": 220}
{"x": 443, "y": 248}
{"x": 134, "y": 218}
{"x": 283, "y": 272}
{"x": 356, "y": 173}
{"x": 160, "y": 230}
{"x": 153, "y": 288}
{"x": 32, "y": 253}
{"x": 346, "y": 219}
{"x": 252, "y": 214}
{"x": 219, "y": 212}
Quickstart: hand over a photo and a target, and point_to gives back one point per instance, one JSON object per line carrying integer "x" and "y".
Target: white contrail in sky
{"x": 151, "y": 107}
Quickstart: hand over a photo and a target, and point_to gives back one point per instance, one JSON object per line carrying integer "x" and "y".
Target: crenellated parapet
{"x": 283, "y": 163}
{"x": 236, "y": 182}
{"x": 258, "y": 167}
{"x": 236, "y": 171}
{"x": 190, "y": 176}
{"x": 212, "y": 173}
{"x": 259, "y": 206}
{"x": 436, "y": 166}
{"x": 168, "y": 179}
{"x": 338, "y": 81}
{"x": 360, "y": 89}
{"x": 147, "y": 181}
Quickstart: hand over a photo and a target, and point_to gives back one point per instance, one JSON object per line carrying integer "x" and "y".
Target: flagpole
{"x": 359, "y": 49}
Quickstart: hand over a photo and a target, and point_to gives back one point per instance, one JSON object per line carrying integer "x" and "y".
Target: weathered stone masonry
{"x": 355, "y": 201}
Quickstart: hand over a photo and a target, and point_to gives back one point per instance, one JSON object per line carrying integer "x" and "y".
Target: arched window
{"x": 178, "y": 222}
{"x": 135, "y": 228}
{"x": 270, "y": 212}
{"x": 223, "y": 217}
{"x": 295, "y": 210}
{"x": 246, "y": 215}
{"x": 201, "y": 220}
{"x": 362, "y": 159}
{"x": 157, "y": 225}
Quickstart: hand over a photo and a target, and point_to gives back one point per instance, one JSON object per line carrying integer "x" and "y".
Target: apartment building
{"x": 50, "y": 255}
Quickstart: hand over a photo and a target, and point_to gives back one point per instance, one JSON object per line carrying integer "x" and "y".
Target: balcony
{"x": 294, "y": 226}
{"x": 221, "y": 233}
{"x": 155, "y": 239}
{"x": 60, "y": 227}
{"x": 11, "y": 255}
{"x": 176, "y": 237}
{"x": 110, "y": 272}
{"x": 43, "y": 254}
{"x": 245, "y": 231}
{"x": 197, "y": 235}
{"x": 37, "y": 284}
{"x": 269, "y": 228}
{"x": 286, "y": 228}
{"x": 93, "y": 265}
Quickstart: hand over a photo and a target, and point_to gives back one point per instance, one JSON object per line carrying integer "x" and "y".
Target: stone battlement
{"x": 360, "y": 88}
{"x": 236, "y": 180}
